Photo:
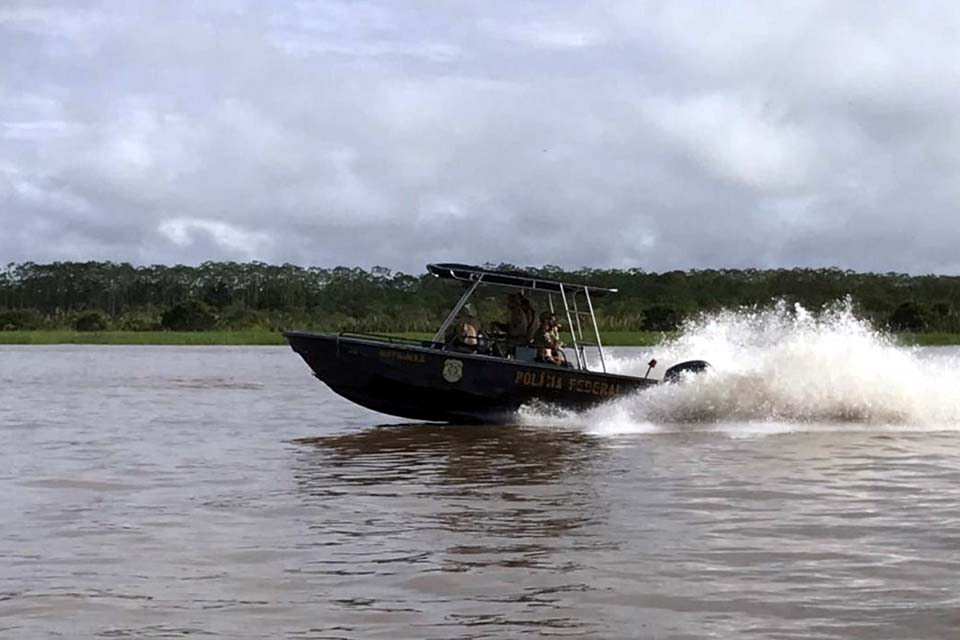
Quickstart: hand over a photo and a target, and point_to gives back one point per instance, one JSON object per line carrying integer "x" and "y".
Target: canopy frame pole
{"x": 438, "y": 337}
{"x": 573, "y": 333}
{"x": 576, "y": 314}
{"x": 596, "y": 329}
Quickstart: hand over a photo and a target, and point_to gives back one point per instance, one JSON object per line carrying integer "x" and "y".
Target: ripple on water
{"x": 246, "y": 501}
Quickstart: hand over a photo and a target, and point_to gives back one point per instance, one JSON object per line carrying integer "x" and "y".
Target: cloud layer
{"x": 646, "y": 134}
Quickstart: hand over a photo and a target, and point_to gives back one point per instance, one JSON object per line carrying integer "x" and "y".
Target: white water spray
{"x": 783, "y": 366}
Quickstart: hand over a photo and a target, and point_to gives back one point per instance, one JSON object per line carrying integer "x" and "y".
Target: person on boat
{"x": 464, "y": 334}
{"x": 522, "y": 319}
{"x": 530, "y": 314}
{"x": 547, "y": 340}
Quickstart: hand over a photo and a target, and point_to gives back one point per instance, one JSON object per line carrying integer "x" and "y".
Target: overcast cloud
{"x": 657, "y": 135}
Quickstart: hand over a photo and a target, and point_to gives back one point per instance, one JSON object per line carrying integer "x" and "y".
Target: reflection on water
{"x": 494, "y": 454}
{"x": 454, "y": 500}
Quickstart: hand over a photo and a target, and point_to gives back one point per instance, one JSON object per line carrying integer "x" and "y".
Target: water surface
{"x": 223, "y": 492}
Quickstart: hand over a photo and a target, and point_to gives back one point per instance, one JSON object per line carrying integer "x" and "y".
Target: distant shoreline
{"x": 264, "y": 337}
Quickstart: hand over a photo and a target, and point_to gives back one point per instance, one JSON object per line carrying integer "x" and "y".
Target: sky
{"x": 624, "y": 134}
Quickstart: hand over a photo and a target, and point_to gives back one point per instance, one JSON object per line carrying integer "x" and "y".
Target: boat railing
{"x": 387, "y": 338}
{"x": 574, "y": 314}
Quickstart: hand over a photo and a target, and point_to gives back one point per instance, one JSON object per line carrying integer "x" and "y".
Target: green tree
{"x": 20, "y": 320}
{"x": 661, "y": 317}
{"x": 191, "y": 315}
{"x": 94, "y": 320}
{"x": 910, "y": 316}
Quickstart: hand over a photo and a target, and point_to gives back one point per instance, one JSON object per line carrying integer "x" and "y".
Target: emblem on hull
{"x": 452, "y": 370}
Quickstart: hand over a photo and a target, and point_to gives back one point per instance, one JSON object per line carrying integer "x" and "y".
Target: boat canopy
{"x": 568, "y": 294}
{"x": 515, "y": 279}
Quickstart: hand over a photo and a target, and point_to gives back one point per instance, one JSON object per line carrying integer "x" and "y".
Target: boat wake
{"x": 778, "y": 369}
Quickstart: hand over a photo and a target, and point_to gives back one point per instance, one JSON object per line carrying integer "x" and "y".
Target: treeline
{"x": 229, "y": 295}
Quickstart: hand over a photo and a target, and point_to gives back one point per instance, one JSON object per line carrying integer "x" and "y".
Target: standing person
{"x": 518, "y": 332}
{"x": 521, "y": 323}
{"x": 530, "y": 316}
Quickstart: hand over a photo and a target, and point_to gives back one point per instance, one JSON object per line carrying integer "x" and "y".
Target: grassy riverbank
{"x": 265, "y": 337}
{"x": 251, "y": 337}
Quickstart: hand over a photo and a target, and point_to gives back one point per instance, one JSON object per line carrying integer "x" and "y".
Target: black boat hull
{"x": 421, "y": 382}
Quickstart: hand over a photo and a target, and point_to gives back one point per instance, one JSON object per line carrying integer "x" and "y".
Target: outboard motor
{"x": 674, "y": 373}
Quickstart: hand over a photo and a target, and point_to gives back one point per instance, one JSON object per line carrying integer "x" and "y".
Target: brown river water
{"x": 158, "y": 492}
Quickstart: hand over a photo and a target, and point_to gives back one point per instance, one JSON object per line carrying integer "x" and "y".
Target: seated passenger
{"x": 463, "y": 335}
{"x": 547, "y": 340}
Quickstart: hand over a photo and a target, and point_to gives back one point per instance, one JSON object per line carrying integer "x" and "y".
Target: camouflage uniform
{"x": 550, "y": 348}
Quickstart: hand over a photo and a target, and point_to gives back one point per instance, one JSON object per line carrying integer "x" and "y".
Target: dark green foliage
{"x": 237, "y": 317}
{"x": 20, "y": 319}
{"x": 145, "y": 319}
{"x": 910, "y": 316}
{"x": 245, "y": 295}
{"x": 218, "y": 294}
{"x": 91, "y": 321}
{"x": 661, "y": 317}
{"x": 192, "y": 315}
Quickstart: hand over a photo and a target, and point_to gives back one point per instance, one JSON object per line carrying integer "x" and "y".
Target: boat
{"x": 440, "y": 380}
